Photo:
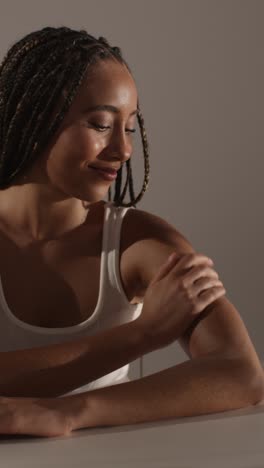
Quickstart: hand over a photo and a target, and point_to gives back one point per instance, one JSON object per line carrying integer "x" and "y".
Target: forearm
{"x": 57, "y": 369}
{"x": 200, "y": 386}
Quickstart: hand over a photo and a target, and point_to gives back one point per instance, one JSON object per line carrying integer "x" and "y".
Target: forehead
{"x": 108, "y": 82}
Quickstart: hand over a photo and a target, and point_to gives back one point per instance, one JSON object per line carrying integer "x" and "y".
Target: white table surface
{"x": 233, "y": 439}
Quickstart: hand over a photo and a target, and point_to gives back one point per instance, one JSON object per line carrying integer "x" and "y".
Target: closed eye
{"x": 101, "y": 127}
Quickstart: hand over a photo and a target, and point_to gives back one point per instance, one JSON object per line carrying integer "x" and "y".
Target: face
{"x": 92, "y": 137}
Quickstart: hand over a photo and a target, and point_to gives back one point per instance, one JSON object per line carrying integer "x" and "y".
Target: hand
{"x": 182, "y": 288}
{"x": 46, "y": 417}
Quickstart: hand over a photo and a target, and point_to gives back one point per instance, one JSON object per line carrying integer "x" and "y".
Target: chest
{"x": 59, "y": 286}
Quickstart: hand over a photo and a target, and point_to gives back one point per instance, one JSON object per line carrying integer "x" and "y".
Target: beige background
{"x": 199, "y": 67}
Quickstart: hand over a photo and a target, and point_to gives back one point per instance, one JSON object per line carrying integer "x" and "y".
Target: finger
{"x": 205, "y": 283}
{"x": 208, "y": 296}
{"x": 166, "y": 267}
{"x": 198, "y": 272}
{"x": 188, "y": 261}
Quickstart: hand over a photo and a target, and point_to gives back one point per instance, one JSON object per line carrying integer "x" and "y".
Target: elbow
{"x": 260, "y": 395}
{"x": 256, "y": 388}
{"x": 250, "y": 380}
{"x": 251, "y": 376}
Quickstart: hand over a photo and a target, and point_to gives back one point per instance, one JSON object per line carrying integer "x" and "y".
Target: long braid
{"x": 33, "y": 74}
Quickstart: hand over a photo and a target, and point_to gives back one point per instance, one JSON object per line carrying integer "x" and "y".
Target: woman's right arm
{"x": 168, "y": 310}
{"x": 57, "y": 369}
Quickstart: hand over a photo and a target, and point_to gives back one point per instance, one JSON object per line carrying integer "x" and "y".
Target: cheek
{"x": 80, "y": 140}
{"x": 73, "y": 149}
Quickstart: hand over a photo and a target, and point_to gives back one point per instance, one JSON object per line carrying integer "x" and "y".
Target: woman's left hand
{"x": 47, "y": 417}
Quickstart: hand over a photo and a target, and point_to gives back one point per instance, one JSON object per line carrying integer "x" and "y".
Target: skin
{"x": 49, "y": 202}
{"x": 59, "y": 193}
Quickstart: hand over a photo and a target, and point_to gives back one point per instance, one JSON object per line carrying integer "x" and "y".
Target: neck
{"x": 36, "y": 217}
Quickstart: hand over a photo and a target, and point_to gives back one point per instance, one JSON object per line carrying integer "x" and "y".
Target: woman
{"x": 72, "y": 282}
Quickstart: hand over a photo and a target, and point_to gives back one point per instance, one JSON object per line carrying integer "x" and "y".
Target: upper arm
{"x": 219, "y": 327}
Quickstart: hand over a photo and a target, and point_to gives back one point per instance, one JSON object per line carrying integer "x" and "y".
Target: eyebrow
{"x": 106, "y": 107}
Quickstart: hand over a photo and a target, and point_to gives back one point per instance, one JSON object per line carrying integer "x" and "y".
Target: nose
{"x": 121, "y": 146}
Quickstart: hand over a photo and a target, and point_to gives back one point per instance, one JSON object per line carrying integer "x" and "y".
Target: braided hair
{"x": 33, "y": 74}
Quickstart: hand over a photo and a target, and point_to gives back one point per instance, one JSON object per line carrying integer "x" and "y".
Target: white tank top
{"x": 112, "y": 308}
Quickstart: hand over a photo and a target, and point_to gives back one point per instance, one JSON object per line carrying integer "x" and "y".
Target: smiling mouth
{"x": 105, "y": 174}
{"x": 108, "y": 170}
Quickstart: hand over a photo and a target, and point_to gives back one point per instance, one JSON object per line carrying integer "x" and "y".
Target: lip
{"x": 107, "y": 175}
{"x": 105, "y": 169}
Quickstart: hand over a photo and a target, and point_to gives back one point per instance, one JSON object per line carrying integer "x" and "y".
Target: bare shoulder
{"x": 153, "y": 239}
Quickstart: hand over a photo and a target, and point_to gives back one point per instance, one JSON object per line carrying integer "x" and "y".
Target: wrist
{"x": 142, "y": 339}
{"x": 147, "y": 341}
{"x": 71, "y": 408}
{"x": 78, "y": 411}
